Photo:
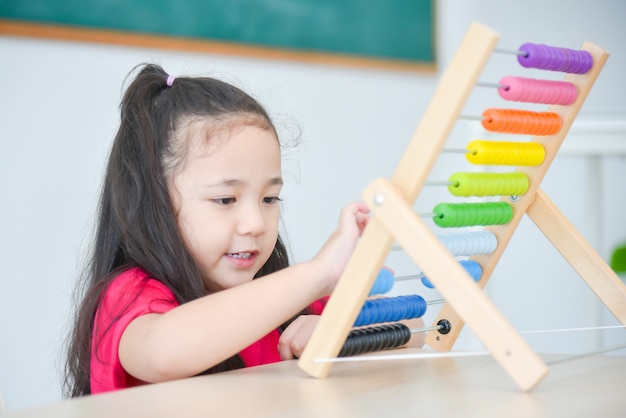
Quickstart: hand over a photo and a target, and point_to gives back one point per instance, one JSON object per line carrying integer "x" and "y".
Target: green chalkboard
{"x": 381, "y": 29}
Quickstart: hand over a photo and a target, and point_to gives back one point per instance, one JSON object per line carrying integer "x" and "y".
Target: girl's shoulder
{"x": 134, "y": 286}
{"x": 133, "y": 277}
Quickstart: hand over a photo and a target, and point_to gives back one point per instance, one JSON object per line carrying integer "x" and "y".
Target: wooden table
{"x": 437, "y": 387}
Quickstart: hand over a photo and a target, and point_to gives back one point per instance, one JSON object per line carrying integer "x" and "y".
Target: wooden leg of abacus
{"x": 580, "y": 255}
{"x": 347, "y": 299}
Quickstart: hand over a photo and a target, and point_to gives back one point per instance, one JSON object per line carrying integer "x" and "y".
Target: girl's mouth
{"x": 243, "y": 260}
{"x": 240, "y": 255}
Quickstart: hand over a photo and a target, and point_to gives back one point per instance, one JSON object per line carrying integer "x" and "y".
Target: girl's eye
{"x": 225, "y": 201}
{"x": 272, "y": 200}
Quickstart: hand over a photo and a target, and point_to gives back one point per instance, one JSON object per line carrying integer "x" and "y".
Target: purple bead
{"x": 545, "y": 57}
{"x": 532, "y": 56}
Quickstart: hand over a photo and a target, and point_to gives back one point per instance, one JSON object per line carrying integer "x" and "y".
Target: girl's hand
{"x": 296, "y": 336}
{"x": 334, "y": 256}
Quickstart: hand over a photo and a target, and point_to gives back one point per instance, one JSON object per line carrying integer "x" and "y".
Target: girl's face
{"x": 226, "y": 197}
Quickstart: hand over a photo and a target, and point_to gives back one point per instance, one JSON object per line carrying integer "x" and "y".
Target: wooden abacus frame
{"x": 394, "y": 219}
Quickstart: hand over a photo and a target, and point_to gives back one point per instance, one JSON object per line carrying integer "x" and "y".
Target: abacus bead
{"x": 472, "y": 214}
{"x": 471, "y": 267}
{"x": 469, "y": 243}
{"x": 529, "y": 90}
{"x": 488, "y": 184}
{"x": 555, "y": 59}
{"x": 523, "y": 122}
{"x": 384, "y": 282}
{"x": 532, "y": 58}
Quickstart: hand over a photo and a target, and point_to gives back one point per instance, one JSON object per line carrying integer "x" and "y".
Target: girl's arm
{"x": 202, "y": 333}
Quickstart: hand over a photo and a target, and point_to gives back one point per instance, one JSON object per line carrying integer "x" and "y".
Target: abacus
{"x": 393, "y": 219}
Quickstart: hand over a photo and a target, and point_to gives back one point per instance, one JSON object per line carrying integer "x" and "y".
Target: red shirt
{"x": 131, "y": 294}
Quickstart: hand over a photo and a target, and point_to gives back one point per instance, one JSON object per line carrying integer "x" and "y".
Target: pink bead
{"x": 530, "y": 90}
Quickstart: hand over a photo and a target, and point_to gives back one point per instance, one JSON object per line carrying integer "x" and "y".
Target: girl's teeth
{"x": 240, "y": 255}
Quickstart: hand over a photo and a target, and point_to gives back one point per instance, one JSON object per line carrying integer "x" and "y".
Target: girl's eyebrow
{"x": 276, "y": 181}
{"x": 236, "y": 182}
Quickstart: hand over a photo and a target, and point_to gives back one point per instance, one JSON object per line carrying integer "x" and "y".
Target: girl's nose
{"x": 251, "y": 221}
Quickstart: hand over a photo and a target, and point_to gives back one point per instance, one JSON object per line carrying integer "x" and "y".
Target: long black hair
{"x": 136, "y": 223}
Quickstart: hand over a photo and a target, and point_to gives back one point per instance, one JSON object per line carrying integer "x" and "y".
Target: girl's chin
{"x": 227, "y": 281}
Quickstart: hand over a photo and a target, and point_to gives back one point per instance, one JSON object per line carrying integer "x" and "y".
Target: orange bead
{"x": 523, "y": 122}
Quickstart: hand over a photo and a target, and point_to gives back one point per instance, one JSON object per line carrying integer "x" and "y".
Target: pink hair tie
{"x": 170, "y": 80}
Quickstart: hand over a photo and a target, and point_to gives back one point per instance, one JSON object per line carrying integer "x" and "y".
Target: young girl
{"x": 188, "y": 274}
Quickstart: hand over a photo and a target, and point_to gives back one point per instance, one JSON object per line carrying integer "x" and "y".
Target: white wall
{"x": 58, "y": 107}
